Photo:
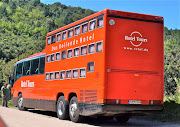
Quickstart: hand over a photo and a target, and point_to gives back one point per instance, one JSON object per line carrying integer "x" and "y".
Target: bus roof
{"x": 32, "y": 56}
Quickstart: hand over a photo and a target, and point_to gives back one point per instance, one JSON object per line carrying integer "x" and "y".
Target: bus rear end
{"x": 134, "y": 63}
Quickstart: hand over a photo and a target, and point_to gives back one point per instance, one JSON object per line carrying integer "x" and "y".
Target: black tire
{"x": 122, "y": 119}
{"x": 74, "y": 110}
{"x": 62, "y": 108}
{"x": 20, "y": 103}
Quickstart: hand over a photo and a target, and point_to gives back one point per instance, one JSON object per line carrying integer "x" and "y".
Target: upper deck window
{"x": 64, "y": 35}
{"x": 92, "y": 25}
{"x": 48, "y": 59}
{"x": 76, "y": 52}
{"x": 70, "y": 33}
{"x": 85, "y": 28}
{"x": 69, "y": 53}
{"x": 52, "y": 57}
{"x": 63, "y": 55}
{"x": 99, "y": 46}
{"x": 91, "y": 48}
{"x": 58, "y": 56}
{"x": 49, "y": 40}
{"x": 84, "y": 50}
{"x": 53, "y": 39}
{"x": 77, "y": 30}
{"x": 58, "y": 37}
{"x": 100, "y": 22}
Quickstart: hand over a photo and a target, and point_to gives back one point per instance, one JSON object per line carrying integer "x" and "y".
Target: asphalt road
{"x": 12, "y": 117}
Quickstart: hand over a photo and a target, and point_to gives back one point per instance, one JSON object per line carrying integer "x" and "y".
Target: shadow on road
{"x": 93, "y": 120}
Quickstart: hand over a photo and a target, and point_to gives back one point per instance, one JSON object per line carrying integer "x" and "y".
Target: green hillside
{"x": 25, "y": 23}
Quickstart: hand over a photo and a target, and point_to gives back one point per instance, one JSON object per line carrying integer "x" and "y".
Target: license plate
{"x": 134, "y": 102}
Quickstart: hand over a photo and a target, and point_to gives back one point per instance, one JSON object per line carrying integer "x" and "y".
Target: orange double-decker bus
{"x": 107, "y": 64}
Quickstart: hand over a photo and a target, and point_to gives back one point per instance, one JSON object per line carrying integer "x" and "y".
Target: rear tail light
{"x": 112, "y": 101}
{"x": 155, "y": 102}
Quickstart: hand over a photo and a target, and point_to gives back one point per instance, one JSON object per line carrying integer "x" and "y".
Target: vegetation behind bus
{"x": 23, "y": 29}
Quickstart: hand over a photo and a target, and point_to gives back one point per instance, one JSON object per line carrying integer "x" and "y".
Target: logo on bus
{"x": 27, "y": 83}
{"x": 136, "y": 39}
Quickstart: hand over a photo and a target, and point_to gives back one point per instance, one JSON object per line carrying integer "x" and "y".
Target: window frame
{"x": 87, "y": 67}
{"x": 97, "y": 47}
{"x": 45, "y": 76}
{"x": 86, "y": 50}
{"x": 73, "y": 72}
{"x": 54, "y": 57}
{"x": 66, "y": 73}
{"x": 82, "y": 27}
{"x": 67, "y": 54}
{"x": 80, "y": 72}
{"x": 47, "y": 58}
{"x": 74, "y": 52}
{"x": 72, "y": 30}
{"x": 50, "y": 76}
{"x": 75, "y": 30}
{"x": 95, "y": 24}
{"x": 55, "y": 75}
{"x": 66, "y": 34}
{"x": 94, "y": 47}
{"x": 57, "y": 37}
{"x": 50, "y": 40}
{"x": 59, "y": 57}
{"x": 62, "y": 54}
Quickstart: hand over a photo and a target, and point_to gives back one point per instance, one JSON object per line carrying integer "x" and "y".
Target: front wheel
{"x": 62, "y": 108}
{"x": 74, "y": 110}
{"x": 20, "y": 103}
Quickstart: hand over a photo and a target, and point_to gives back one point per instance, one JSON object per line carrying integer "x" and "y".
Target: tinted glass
{"x": 26, "y": 68}
{"x": 19, "y": 70}
{"x": 35, "y": 66}
{"x": 42, "y": 65}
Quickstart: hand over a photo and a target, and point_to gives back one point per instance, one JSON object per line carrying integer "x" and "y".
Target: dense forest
{"x": 25, "y": 23}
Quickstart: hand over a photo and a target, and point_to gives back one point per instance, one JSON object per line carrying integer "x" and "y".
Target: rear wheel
{"x": 62, "y": 108}
{"x": 20, "y": 103}
{"x": 74, "y": 110}
{"x": 122, "y": 119}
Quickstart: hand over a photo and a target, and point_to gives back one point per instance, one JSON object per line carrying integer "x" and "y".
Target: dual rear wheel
{"x": 67, "y": 110}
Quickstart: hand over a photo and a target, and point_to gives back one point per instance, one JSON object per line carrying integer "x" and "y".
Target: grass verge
{"x": 9, "y": 103}
{"x": 171, "y": 113}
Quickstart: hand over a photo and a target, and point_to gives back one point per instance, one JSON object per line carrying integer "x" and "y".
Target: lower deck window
{"x": 51, "y": 76}
{"x": 47, "y": 76}
{"x": 91, "y": 48}
{"x": 75, "y": 73}
{"x": 90, "y": 67}
{"x": 82, "y": 72}
{"x": 63, "y": 55}
{"x": 52, "y": 57}
{"x": 56, "y": 75}
{"x": 58, "y": 56}
{"x": 69, "y": 53}
{"x": 76, "y": 52}
{"x": 62, "y": 75}
{"x": 68, "y": 74}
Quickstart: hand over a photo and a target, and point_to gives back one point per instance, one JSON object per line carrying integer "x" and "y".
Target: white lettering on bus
{"x": 27, "y": 83}
{"x": 74, "y": 42}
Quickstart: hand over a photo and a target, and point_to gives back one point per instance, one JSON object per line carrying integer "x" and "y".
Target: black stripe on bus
{"x": 146, "y": 20}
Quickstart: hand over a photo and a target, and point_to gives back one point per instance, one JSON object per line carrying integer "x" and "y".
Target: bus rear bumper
{"x": 108, "y": 109}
